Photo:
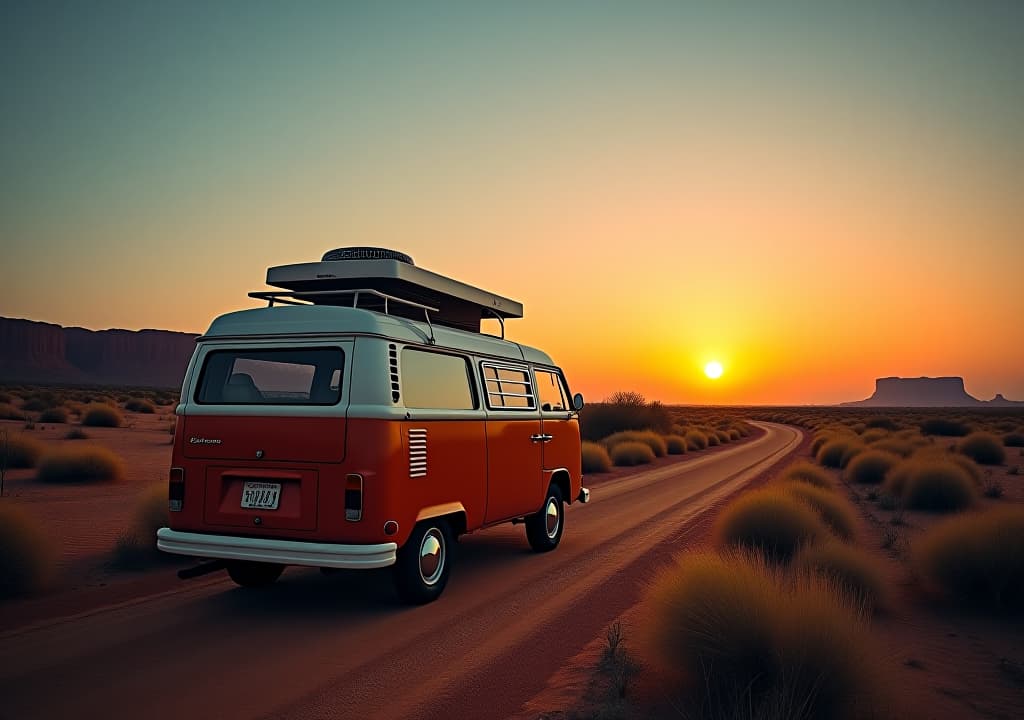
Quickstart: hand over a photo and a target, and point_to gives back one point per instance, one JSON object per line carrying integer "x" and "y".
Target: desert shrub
{"x": 696, "y": 440}
{"x": 882, "y": 423}
{"x": 647, "y": 437}
{"x": 713, "y": 440}
{"x": 595, "y": 458}
{"x": 977, "y": 558}
{"x": 851, "y": 568}
{"x": 140, "y": 405}
{"x": 76, "y": 434}
{"x": 734, "y": 434}
{"x": 896, "y": 446}
{"x": 852, "y": 451}
{"x": 26, "y": 556}
{"x": 631, "y": 453}
{"x": 1013, "y": 439}
{"x": 102, "y": 415}
{"x": 599, "y": 420}
{"x": 34, "y": 404}
{"x": 723, "y": 436}
{"x": 675, "y": 444}
{"x": 770, "y": 522}
{"x": 742, "y": 642}
{"x": 870, "y": 467}
{"x": 135, "y": 547}
{"x": 19, "y": 451}
{"x": 807, "y": 473}
{"x": 54, "y": 415}
{"x": 6, "y": 398}
{"x": 874, "y": 435}
{"x": 835, "y": 511}
{"x": 983, "y": 448}
{"x": 9, "y": 412}
{"x": 932, "y": 484}
{"x": 833, "y": 452}
{"x": 80, "y": 465}
{"x": 944, "y": 426}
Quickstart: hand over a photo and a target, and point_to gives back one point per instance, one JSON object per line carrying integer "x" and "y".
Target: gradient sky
{"x": 814, "y": 197}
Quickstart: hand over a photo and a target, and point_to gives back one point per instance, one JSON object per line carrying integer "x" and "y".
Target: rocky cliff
{"x": 40, "y": 352}
{"x": 925, "y": 392}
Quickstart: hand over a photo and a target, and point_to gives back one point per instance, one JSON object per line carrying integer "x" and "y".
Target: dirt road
{"x": 339, "y": 646}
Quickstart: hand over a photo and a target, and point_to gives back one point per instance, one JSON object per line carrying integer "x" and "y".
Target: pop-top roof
{"x": 332, "y": 282}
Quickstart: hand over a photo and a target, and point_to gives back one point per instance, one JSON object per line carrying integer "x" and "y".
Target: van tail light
{"x": 354, "y": 497}
{"x": 176, "y": 490}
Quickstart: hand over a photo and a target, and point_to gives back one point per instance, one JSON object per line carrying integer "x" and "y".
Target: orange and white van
{"x": 363, "y": 420}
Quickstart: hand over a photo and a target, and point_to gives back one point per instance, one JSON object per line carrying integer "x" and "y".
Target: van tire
{"x": 254, "y": 574}
{"x": 424, "y": 562}
{"x": 544, "y": 528}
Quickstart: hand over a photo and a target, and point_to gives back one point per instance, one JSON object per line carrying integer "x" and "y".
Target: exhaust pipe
{"x": 205, "y": 569}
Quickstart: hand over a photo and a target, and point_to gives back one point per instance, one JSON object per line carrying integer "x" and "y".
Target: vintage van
{"x": 363, "y": 420}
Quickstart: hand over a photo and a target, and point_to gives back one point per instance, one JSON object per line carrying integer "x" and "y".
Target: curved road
{"x": 339, "y": 646}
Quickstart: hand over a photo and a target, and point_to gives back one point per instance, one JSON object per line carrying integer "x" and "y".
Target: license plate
{"x": 261, "y": 495}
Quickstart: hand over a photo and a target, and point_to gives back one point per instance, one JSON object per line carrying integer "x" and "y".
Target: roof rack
{"x": 317, "y": 297}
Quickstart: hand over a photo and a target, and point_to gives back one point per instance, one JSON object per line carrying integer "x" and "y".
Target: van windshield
{"x": 299, "y": 376}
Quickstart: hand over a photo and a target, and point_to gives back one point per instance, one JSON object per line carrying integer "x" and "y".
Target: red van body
{"x": 345, "y": 437}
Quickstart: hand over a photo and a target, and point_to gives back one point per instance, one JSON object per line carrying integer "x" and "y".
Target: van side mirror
{"x": 577, "y": 402}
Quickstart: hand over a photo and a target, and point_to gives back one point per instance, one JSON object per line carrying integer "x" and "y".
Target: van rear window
{"x": 299, "y": 376}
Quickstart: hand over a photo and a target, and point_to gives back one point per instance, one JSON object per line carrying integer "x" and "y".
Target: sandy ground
{"x": 939, "y": 661}
{"x": 340, "y": 646}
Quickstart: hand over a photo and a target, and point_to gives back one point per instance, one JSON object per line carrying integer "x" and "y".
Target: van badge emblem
{"x": 204, "y": 441}
{"x": 259, "y": 454}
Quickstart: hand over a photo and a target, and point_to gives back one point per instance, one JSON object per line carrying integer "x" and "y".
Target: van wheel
{"x": 254, "y": 574}
{"x": 424, "y": 563}
{"x": 544, "y": 528}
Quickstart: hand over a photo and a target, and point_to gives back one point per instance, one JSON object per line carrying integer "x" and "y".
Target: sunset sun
{"x": 713, "y": 369}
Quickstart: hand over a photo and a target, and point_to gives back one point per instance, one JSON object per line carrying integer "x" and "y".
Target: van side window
{"x": 436, "y": 381}
{"x": 508, "y": 387}
{"x": 549, "y": 391}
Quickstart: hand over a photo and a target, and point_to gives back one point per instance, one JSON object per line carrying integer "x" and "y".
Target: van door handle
{"x": 542, "y": 438}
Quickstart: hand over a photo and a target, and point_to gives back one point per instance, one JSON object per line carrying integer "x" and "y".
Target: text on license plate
{"x": 261, "y": 495}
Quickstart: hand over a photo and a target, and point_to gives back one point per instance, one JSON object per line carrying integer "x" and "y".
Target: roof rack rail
{"x": 311, "y": 297}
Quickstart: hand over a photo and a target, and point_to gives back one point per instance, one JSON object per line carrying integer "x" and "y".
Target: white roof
{"x": 326, "y": 320}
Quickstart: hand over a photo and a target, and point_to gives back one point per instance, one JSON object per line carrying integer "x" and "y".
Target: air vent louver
{"x": 393, "y": 367}
{"x": 417, "y": 452}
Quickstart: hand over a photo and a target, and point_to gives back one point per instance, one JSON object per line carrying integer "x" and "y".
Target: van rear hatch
{"x": 274, "y": 404}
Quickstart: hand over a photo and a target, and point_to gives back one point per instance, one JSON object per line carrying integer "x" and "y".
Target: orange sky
{"x": 812, "y": 201}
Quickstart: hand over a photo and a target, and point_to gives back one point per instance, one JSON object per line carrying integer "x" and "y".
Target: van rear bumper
{"x": 284, "y": 552}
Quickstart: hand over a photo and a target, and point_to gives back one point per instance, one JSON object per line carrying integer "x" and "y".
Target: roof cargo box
{"x": 383, "y": 275}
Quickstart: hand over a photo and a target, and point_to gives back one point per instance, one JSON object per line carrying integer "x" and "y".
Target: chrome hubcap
{"x": 552, "y": 519}
{"x": 432, "y": 556}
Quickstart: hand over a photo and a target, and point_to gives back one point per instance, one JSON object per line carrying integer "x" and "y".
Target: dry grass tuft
{"x": 9, "y": 412}
{"x": 631, "y": 453}
{"x": 80, "y": 465}
{"x": 741, "y": 641}
{"x": 76, "y": 434}
{"x": 696, "y": 440}
{"x": 648, "y": 437}
{"x": 19, "y": 451}
{"x": 983, "y": 448}
{"x": 675, "y": 444}
{"x": 931, "y": 483}
{"x": 595, "y": 458}
{"x": 835, "y": 511}
{"x": 1013, "y": 439}
{"x": 977, "y": 558}
{"x": 807, "y": 473}
{"x": 870, "y": 467}
{"x": 53, "y": 415}
{"x": 102, "y": 415}
{"x": 855, "y": 572}
{"x": 140, "y": 405}
{"x": 836, "y": 453}
{"x": 771, "y": 522}
{"x": 944, "y": 426}
{"x": 135, "y": 548}
{"x": 26, "y": 556}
